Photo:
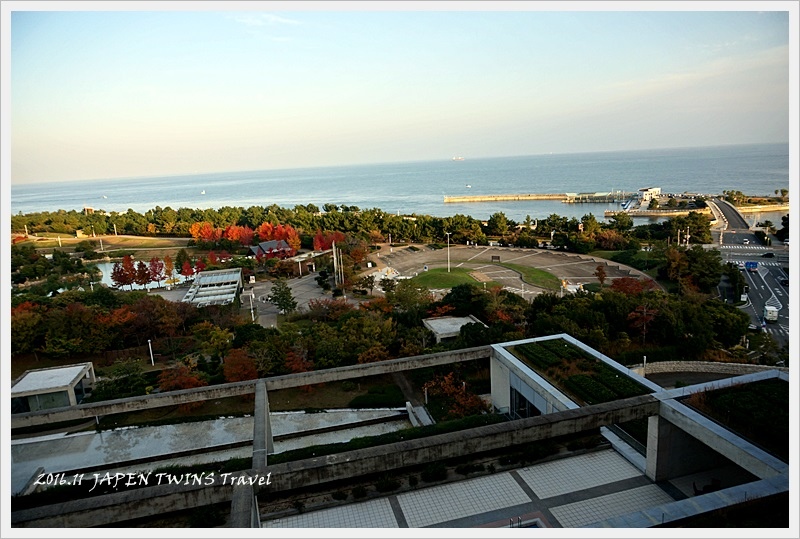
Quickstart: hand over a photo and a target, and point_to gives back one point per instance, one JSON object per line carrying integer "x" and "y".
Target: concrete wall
{"x": 342, "y": 466}
{"x": 735, "y": 369}
{"x": 144, "y": 402}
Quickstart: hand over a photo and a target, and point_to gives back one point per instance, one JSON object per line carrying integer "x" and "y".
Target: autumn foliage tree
{"x": 181, "y": 376}
{"x": 462, "y": 402}
{"x": 156, "y": 269}
{"x": 239, "y": 366}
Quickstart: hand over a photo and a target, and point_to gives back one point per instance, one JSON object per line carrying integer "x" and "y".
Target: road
{"x": 738, "y": 244}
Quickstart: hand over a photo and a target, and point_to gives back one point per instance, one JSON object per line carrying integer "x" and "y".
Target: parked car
{"x": 746, "y": 241}
{"x": 784, "y": 282}
{"x": 768, "y": 255}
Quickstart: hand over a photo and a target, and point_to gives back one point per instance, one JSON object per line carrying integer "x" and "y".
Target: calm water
{"x": 419, "y": 187}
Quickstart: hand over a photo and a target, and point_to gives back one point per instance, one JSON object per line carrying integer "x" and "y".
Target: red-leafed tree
{"x": 264, "y": 231}
{"x": 233, "y": 233}
{"x": 462, "y": 402}
{"x": 630, "y": 286}
{"x": 187, "y": 270}
{"x": 181, "y": 377}
{"x": 324, "y": 240}
{"x": 246, "y": 236}
{"x": 212, "y": 258}
{"x": 124, "y": 273}
{"x": 156, "y": 270}
{"x": 199, "y": 266}
{"x": 142, "y": 277}
{"x": 238, "y": 366}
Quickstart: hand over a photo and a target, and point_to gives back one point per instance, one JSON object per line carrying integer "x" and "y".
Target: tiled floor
{"x": 577, "y": 473}
{"x": 578, "y": 514}
{"x": 478, "y": 500}
{"x": 372, "y": 514}
{"x": 463, "y": 498}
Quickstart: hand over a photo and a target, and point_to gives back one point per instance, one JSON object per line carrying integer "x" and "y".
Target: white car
{"x": 746, "y": 241}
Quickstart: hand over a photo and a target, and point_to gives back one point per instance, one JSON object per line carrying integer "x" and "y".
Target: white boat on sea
{"x": 458, "y": 158}
{"x": 203, "y": 192}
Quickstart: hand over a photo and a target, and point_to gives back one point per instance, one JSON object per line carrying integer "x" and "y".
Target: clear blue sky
{"x": 122, "y": 94}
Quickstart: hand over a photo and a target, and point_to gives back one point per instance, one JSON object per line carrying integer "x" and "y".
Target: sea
{"x": 419, "y": 187}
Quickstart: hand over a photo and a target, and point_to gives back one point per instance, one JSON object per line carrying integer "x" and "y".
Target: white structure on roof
{"x": 40, "y": 389}
{"x": 448, "y": 327}
{"x": 217, "y": 287}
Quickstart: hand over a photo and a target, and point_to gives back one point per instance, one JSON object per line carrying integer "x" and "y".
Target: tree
{"x": 124, "y": 273}
{"x": 367, "y": 282}
{"x": 653, "y": 204}
{"x": 281, "y": 297}
{"x": 462, "y": 402}
{"x": 169, "y": 269}
{"x": 142, "y": 274}
{"x": 187, "y": 270}
{"x": 181, "y": 377}
{"x": 497, "y": 224}
{"x": 156, "y": 270}
{"x": 600, "y": 273}
{"x": 622, "y": 221}
{"x": 239, "y": 366}
{"x": 641, "y": 316}
{"x": 126, "y": 380}
{"x": 388, "y": 285}
{"x": 199, "y": 265}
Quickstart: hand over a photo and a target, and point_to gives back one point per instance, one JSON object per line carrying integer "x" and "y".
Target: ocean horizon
{"x": 419, "y": 187}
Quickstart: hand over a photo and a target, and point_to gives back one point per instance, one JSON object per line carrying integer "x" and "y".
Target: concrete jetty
{"x": 611, "y": 196}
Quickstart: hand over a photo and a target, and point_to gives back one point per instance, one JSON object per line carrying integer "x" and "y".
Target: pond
{"x": 106, "y": 268}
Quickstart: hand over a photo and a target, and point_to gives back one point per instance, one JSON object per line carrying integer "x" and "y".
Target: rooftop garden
{"x": 758, "y": 411}
{"x": 583, "y": 377}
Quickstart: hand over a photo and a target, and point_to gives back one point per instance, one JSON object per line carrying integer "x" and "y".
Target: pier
{"x": 570, "y": 198}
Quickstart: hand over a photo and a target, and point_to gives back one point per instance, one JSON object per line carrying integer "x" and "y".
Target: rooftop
{"x": 53, "y": 378}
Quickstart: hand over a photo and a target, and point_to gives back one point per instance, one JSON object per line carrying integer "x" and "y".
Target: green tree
{"x": 497, "y": 224}
{"x": 281, "y": 297}
{"x": 125, "y": 380}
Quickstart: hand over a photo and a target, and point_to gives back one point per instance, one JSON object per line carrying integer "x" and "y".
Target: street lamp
{"x": 152, "y": 361}
{"x": 448, "y": 251}
{"x": 252, "y": 316}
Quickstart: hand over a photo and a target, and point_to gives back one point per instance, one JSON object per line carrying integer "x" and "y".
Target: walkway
{"x": 571, "y": 492}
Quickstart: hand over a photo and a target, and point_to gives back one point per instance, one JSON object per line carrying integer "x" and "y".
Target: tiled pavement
{"x": 571, "y": 492}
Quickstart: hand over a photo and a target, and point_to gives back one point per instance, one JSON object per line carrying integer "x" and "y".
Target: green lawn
{"x": 440, "y": 278}
{"x": 535, "y": 276}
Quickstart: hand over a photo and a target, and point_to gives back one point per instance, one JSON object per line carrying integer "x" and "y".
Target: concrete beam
{"x": 145, "y": 402}
{"x": 132, "y": 404}
{"x": 377, "y": 368}
{"x": 743, "y": 453}
{"x": 262, "y": 428}
{"x": 155, "y": 500}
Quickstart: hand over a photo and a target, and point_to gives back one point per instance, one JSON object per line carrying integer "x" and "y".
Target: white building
{"x": 649, "y": 193}
{"x": 56, "y": 387}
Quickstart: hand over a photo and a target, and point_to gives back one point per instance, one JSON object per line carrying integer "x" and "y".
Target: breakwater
{"x": 658, "y": 213}
{"x": 614, "y": 196}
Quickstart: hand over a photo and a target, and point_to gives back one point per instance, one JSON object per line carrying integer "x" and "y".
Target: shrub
{"x": 589, "y": 389}
{"x": 359, "y": 492}
{"x": 339, "y": 495}
{"x": 387, "y": 484}
{"x": 434, "y": 472}
{"x": 412, "y": 480}
{"x": 466, "y": 469}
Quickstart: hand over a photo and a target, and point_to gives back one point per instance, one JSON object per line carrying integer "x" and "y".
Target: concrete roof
{"x": 448, "y": 326}
{"x": 43, "y": 379}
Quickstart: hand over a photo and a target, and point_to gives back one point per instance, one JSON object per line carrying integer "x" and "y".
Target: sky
{"x": 113, "y": 94}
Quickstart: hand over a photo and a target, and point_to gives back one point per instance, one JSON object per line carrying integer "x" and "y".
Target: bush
{"x": 387, "y": 484}
{"x": 412, "y": 480}
{"x": 348, "y": 386}
{"x": 466, "y": 469}
{"x": 339, "y": 495}
{"x": 359, "y": 492}
{"x": 434, "y": 472}
{"x": 380, "y": 397}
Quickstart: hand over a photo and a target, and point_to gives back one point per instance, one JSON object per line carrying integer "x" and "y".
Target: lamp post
{"x": 448, "y": 251}
{"x": 252, "y": 315}
{"x": 152, "y": 361}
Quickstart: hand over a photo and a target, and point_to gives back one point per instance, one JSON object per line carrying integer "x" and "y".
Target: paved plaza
{"x": 572, "y": 492}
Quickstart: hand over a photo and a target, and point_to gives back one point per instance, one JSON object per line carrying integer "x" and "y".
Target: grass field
{"x": 440, "y": 278}
{"x": 110, "y": 242}
{"x": 536, "y": 277}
